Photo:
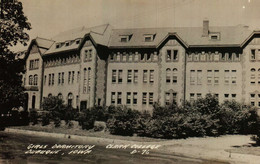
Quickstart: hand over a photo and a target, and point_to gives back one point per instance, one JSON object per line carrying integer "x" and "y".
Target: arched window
{"x": 168, "y": 75}
{"x": 49, "y": 95}
{"x": 89, "y": 76}
{"x": 174, "y": 75}
{"x": 30, "y": 80}
{"x": 60, "y": 96}
{"x": 35, "y": 80}
{"x": 70, "y": 98}
{"x": 253, "y": 77}
{"x": 85, "y": 81}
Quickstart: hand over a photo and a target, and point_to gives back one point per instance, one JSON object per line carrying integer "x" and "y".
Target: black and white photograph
{"x": 130, "y": 81}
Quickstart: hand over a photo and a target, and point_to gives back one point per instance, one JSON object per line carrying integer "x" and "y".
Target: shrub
{"x": 86, "y": 120}
{"x": 123, "y": 121}
{"x": 33, "y": 117}
{"x": 45, "y": 119}
{"x": 57, "y": 122}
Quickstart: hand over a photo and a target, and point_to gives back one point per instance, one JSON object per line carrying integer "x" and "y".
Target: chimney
{"x": 205, "y": 28}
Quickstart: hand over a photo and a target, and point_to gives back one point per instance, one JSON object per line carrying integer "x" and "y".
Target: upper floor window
{"x": 77, "y": 41}
{"x": 30, "y": 80}
{"x": 253, "y": 54}
{"x": 35, "y": 80}
{"x": 145, "y": 76}
{"x": 125, "y": 38}
{"x": 34, "y": 64}
{"x": 214, "y": 36}
{"x": 171, "y": 55}
{"x": 151, "y": 76}
{"x": 135, "y": 76}
{"x": 120, "y": 76}
{"x": 149, "y": 37}
{"x": 67, "y": 43}
{"x": 58, "y": 45}
{"x": 174, "y": 75}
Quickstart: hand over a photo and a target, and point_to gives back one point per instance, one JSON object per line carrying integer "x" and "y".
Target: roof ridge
{"x": 44, "y": 38}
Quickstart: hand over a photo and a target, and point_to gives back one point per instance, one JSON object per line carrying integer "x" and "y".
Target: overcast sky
{"x": 49, "y": 17}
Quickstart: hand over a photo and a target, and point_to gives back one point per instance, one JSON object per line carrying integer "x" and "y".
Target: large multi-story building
{"x": 137, "y": 67}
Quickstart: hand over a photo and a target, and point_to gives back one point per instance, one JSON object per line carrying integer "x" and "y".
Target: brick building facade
{"x": 137, "y": 67}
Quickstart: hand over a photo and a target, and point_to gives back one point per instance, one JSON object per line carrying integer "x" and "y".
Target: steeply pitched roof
{"x": 191, "y": 36}
{"x": 229, "y": 36}
{"x": 100, "y": 35}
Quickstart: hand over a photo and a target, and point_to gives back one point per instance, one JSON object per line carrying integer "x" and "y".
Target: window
{"x": 148, "y": 37}
{"x": 70, "y": 98}
{"x": 226, "y": 96}
{"x": 145, "y": 76}
{"x": 90, "y": 55}
{"x": 199, "y": 95}
{"x": 120, "y": 76}
{"x": 58, "y": 45}
{"x": 89, "y": 80}
{"x": 35, "y": 80}
{"x": 77, "y": 41}
{"x": 253, "y": 54}
{"x": 233, "y": 77}
{"x": 259, "y": 76}
{"x": 128, "y": 98}
{"x": 174, "y": 97}
{"x": 60, "y": 96}
{"x": 113, "y": 98}
{"x": 168, "y": 75}
{"x": 30, "y": 80}
{"x": 113, "y": 76}
{"x": 135, "y": 98}
{"x": 125, "y": 38}
{"x": 129, "y": 76}
{"x": 151, "y": 76}
{"x": 59, "y": 78}
{"x": 167, "y": 98}
{"x": 69, "y": 77}
{"x": 135, "y": 76}
{"x": 150, "y": 98}
{"x": 226, "y": 78}
{"x": 49, "y": 95}
{"x": 72, "y": 77}
{"x": 192, "y": 77}
{"x": 199, "y": 77}
{"x": 119, "y": 97}
{"x": 45, "y": 77}
{"x": 192, "y": 97}
{"x": 62, "y": 78}
{"x": 216, "y": 77}
{"x": 52, "y": 80}
{"x": 175, "y": 55}
{"x": 209, "y": 76}
{"x": 253, "y": 78}
{"x": 169, "y": 55}
{"x": 174, "y": 76}
{"x": 85, "y": 81}
{"x": 67, "y": 44}
{"x": 78, "y": 76}
{"x": 144, "y": 99}
{"x": 233, "y": 96}
{"x": 34, "y": 64}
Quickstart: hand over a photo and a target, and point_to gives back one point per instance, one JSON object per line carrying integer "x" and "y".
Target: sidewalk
{"x": 209, "y": 148}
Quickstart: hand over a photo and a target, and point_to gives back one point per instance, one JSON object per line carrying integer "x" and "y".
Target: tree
{"x": 13, "y": 24}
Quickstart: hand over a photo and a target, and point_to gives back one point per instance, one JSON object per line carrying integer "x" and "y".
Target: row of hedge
{"x": 204, "y": 117}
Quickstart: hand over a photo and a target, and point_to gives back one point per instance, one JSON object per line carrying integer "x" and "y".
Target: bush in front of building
{"x": 236, "y": 118}
{"x": 45, "y": 119}
{"x": 33, "y": 116}
{"x": 122, "y": 121}
{"x": 86, "y": 119}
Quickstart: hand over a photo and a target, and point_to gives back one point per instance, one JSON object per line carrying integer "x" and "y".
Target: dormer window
{"x": 77, "y": 41}
{"x": 125, "y": 38}
{"x": 67, "y": 44}
{"x": 58, "y": 45}
{"x": 149, "y": 37}
{"x": 214, "y": 36}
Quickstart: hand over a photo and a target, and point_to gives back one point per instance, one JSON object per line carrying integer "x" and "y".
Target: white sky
{"x": 49, "y": 17}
